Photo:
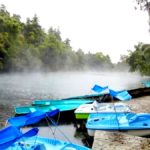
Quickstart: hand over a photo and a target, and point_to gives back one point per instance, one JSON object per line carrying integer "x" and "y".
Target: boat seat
{"x": 121, "y": 95}
{"x": 40, "y": 147}
{"x": 9, "y": 135}
{"x": 138, "y": 117}
{"x": 32, "y": 109}
{"x": 99, "y": 89}
{"x": 71, "y": 146}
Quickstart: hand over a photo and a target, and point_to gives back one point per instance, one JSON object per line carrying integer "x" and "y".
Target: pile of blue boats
{"x": 13, "y": 138}
{"x": 73, "y": 103}
{"x": 94, "y": 108}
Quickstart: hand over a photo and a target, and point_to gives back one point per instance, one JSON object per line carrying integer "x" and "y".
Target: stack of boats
{"x": 112, "y": 118}
{"x": 72, "y": 103}
{"x": 99, "y": 106}
{"x": 13, "y": 138}
{"x": 49, "y": 105}
{"x": 99, "y": 115}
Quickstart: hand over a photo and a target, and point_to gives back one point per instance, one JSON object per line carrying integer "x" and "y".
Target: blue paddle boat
{"x": 120, "y": 95}
{"x": 31, "y": 118}
{"x": 83, "y": 111}
{"x": 146, "y": 83}
{"x": 11, "y": 134}
{"x": 99, "y": 92}
{"x": 131, "y": 123}
{"x": 41, "y": 143}
{"x": 11, "y": 138}
{"x": 61, "y": 102}
{"x": 99, "y": 89}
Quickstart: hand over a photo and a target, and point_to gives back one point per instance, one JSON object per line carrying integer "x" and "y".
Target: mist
{"x": 24, "y": 87}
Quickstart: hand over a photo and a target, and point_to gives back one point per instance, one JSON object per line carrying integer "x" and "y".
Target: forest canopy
{"x": 139, "y": 59}
{"x": 26, "y": 46}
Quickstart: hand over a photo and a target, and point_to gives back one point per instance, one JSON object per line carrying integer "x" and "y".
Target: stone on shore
{"x": 105, "y": 140}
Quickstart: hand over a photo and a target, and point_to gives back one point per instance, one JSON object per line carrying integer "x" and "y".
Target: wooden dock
{"x": 104, "y": 140}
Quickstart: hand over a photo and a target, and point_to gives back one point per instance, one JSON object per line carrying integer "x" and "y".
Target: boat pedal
{"x": 145, "y": 124}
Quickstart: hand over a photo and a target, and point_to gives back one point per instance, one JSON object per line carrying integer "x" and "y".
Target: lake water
{"x": 17, "y": 88}
{"x": 21, "y": 89}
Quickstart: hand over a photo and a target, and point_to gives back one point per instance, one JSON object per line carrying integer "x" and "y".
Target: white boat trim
{"x": 138, "y": 132}
{"x": 96, "y": 107}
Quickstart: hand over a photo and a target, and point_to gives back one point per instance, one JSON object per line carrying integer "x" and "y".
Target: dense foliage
{"x": 26, "y": 46}
{"x": 139, "y": 59}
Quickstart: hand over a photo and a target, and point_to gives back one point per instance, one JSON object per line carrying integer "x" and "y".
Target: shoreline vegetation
{"x": 27, "y": 47}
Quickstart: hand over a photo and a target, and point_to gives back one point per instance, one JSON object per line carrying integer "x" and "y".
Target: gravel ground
{"x": 104, "y": 140}
{"x": 5, "y": 113}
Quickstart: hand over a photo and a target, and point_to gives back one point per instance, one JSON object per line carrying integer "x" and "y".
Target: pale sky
{"x": 108, "y": 26}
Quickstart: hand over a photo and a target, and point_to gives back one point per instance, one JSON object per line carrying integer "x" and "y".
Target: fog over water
{"x": 20, "y": 87}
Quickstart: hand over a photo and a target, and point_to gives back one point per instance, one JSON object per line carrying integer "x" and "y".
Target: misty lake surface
{"x": 22, "y": 88}
{"x": 17, "y": 88}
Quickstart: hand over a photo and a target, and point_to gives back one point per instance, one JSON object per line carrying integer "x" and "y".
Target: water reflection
{"x": 60, "y": 133}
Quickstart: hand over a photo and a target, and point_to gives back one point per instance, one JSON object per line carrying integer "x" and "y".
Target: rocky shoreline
{"x": 5, "y": 113}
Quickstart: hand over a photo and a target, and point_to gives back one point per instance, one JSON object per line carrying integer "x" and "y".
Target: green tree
{"x": 10, "y": 28}
{"x": 33, "y": 32}
{"x": 80, "y": 59}
{"x": 28, "y": 46}
{"x": 138, "y": 59}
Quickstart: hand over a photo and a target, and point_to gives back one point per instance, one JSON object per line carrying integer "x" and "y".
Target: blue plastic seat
{"x": 99, "y": 89}
{"x": 11, "y": 134}
{"x": 121, "y": 95}
{"x": 31, "y": 118}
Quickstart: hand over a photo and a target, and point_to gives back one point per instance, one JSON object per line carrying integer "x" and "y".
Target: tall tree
{"x": 33, "y": 32}
{"x": 10, "y": 28}
{"x": 144, "y": 5}
{"x": 26, "y": 45}
{"x": 138, "y": 59}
